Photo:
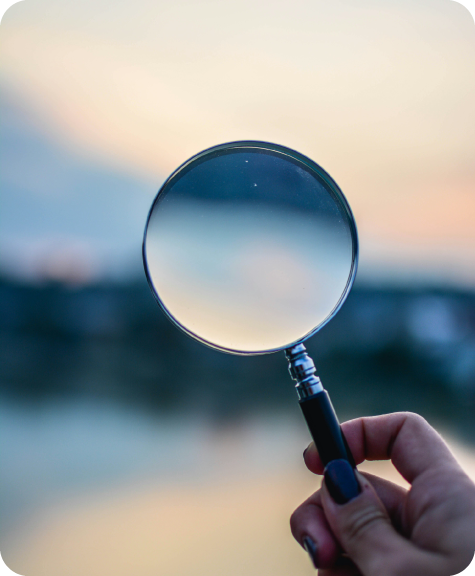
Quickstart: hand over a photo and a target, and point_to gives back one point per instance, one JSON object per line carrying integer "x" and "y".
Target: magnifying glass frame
{"x": 331, "y": 186}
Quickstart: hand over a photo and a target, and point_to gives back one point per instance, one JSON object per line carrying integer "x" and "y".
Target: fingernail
{"x": 312, "y": 550}
{"x": 305, "y": 451}
{"x": 341, "y": 481}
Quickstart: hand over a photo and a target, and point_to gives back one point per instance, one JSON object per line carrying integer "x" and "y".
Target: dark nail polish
{"x": 304, "y": 452}
{"x": 341, "y": 481}
{"x": 312, "y": 550}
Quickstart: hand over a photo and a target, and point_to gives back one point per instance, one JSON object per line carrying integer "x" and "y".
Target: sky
{"x": 101, "y": 100}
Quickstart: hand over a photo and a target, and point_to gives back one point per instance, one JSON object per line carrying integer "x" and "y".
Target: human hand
{"x": 386, "y": 530}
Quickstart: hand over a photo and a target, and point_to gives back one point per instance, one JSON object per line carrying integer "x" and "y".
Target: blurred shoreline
{"x": 387, "y": 349}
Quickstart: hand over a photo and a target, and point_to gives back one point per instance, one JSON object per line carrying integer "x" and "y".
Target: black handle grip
{"x": 325, "y": 429}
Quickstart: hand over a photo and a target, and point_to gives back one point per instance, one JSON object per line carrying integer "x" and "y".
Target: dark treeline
{"x": 386, "y": 350}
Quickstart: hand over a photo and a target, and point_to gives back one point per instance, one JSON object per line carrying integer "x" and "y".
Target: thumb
{"x": 362, "y": 526}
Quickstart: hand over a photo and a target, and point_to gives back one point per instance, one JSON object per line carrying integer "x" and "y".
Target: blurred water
{"x": 122, "y": 440}
{"x": 94, "y": 487}
{"x": 64, "y": 449}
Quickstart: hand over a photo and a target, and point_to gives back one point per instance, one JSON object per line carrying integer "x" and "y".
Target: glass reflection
{"x": 249, "y": 249}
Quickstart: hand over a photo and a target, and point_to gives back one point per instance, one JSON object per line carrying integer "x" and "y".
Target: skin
{"x": 428, "y": 530}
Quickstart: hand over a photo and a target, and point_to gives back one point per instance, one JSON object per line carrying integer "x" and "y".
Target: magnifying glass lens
{"x": 250, "y": 247}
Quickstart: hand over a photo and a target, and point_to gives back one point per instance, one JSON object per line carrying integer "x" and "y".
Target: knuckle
{"x": 306, "y": 515}
{"x": 295, "y": 522}
{"x": 357, "y": 525}
{"x": 413, "y": 423}
{"x": 416, "y": 419}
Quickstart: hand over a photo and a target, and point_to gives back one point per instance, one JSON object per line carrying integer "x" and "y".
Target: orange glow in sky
{"x": 380, "y": 94}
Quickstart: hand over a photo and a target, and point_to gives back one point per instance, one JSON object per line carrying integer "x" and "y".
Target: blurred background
{"x": 105, "y": 467}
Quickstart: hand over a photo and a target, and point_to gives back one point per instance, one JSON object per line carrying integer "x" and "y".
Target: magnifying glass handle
{"x": 317, "y": 408}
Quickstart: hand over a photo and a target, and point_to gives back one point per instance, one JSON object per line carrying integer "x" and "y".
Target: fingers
{"x": 391, "y": 495}
{"x": 312, "y": 459}
{"x": 309, "y": 521}
{"x": 405, "y": 438}
{"x": 363, "y": 528}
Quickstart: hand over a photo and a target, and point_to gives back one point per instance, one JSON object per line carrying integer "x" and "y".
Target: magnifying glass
{"x": 251, "y": 248}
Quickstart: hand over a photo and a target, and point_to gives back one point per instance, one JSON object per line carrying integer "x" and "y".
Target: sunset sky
{"x": 121, "y": 454}
{"x": 380, "y": 93}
